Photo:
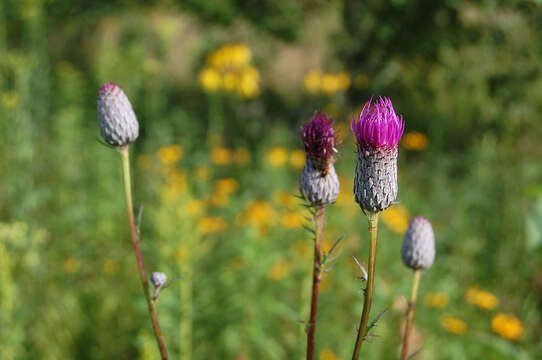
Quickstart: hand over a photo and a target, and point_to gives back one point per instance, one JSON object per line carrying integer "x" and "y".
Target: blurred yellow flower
{"x": 396, "y": 218}
{"x": 285, "y": 199}
{"x": 292, "y": 220}
{"x": 226, "y": 186}
{"x": 176, "y": 183}
{"x": 249, "y": 79}
{"x": 110, "y": 266}
{"x": 170, "y": 154}
{"x": 229, "y": 81}
{"x": 71, "y": 265}
{"x": 343, "y": 79}
{"x": 415, "y": 141}
{"x": 144, "y": 162}
{"x": 312, "y": 81}
{"x": 436, "y": 300}
{"x": 258, "y": 213}
{"x": 297, "y": 159}
{"x": 207, "y": 225}
{"x": 454, "y": 325}
{"x": 241, "y": 156}
{"x": 482, "y": 299}
{"x": 280, "y": 270}
{"x": 210, "y": 79}
{"x": 507, "y": 325}
{"x": 330, "y": 84}
{"x": 221, "y": 156}
{"x": 9, "y": 99}
{"x": 230, "y": 55}
{"x": 203, "y": 173}
{"x": 219, "y": 199}
{"x": 327, "y": 354}
{"x": 194, "y": 207}
{"x": 182, "y": 253}
{"x": 277, "y": 156}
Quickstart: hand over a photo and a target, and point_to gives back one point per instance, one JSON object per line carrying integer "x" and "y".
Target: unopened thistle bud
{"x": 158, "y": 279}
{"x": 377, "y": 130}
{"x": 118, "y": 123}
{"x": 319, "y": 184}
{"x": 419, "y": 244}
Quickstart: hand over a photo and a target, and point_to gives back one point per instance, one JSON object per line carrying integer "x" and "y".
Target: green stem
{"x": 316, "y": 278}
{"x": 125, "y": 156}
{"x": 362, "y": 331}
{"x": 186, "y": 307}
{"x": 410, "y": 313}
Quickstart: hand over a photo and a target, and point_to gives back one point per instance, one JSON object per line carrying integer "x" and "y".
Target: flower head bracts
{"x": 418, "y": 249}
{"x": 319, "y": 140}
{"x": 117, "y": 120}
{"x": 378, "y": 125}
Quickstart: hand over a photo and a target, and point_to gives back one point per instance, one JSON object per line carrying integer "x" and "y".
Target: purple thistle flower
{"x": 378, "y": 131}
{"x": 319, "y": 140}
{"x": 118, "y": 123}
{"x": 319, "y": 184}
{"x": 378, "y": 125}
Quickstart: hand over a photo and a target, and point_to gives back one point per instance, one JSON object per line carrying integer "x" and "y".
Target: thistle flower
{"x": 158, "y": 279}
{"x": 418, "y": 250}
{"x": 118, "y": 123}
{"x": 319, "y": 183}
{"x": 378, "y": 131}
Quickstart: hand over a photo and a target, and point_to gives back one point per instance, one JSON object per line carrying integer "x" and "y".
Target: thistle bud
{"x": 418, "y": 250}
{"x": 378, "y": 131}
{"x": 118, "y": 123}
{"x": 158, "y": 279}
{"x": 319, "y": 184}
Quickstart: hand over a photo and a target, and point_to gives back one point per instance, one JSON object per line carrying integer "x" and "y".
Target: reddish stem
{"x": 316, "y": 278}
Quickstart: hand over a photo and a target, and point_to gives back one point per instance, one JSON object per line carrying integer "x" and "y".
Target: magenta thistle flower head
{"x": 378, "y": 125}
{"x": 378, "y": 131}
{"x": 118, "y": 123}
{"x": 320, "y": 140}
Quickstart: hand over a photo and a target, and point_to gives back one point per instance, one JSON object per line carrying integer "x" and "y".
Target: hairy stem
{"x": 125, "y": 156}
{"x": 410, "y": 312}
{"x": 362, "y": 330}
{"x": 316, "y": 278}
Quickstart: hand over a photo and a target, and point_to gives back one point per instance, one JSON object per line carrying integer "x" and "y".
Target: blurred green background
{"x": 220, "y": 89}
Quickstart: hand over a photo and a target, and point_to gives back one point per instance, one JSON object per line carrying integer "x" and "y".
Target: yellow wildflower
{"x": 454, "y": 325}
{"x": 248, "y": 84}
{"x": 297, "y": 159}
{"x": 396, "y": 218}
{"x": 415, "y": 141}
{"x": 343, "y": 79}
{"x": 327, "y": 354}
{"x": 110, "y": 266}
{"x": 210, "y": 79}
{"x": 226, "y": 186}
{"x": 240, "y": 55}
{"x": 144, "y": 162}
{"x": 241, "y": 156}
{"x": 482, "y": 299}
{"x": 436, "y": 300}
{"x": 507, "y": 325}
{"x": 230, "y": 80}
{"x": 71, "y": 265}
{"x": 258, "y": 213}
{"x": 312, "y": 81}
{"x": 207, "y": 225}
{"x": 277, "y": 156}
{"x": 194, "y": 207}
{"x": 330, "y": 84}
{"x": 280, "y": 270}
{"x": 292, "y": 220}
{"x": 170, "y": 154}
{"x": 221, "y": 156}
{"x": 203, "y": 173}
{"x": 219, "y": 200}
{"x": 9, "y": 99}
{"x": 176, "y": 183}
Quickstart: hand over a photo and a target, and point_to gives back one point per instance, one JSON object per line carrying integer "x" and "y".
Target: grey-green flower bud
{"x": 375, "y": 182}
{"x": 317, "y": 187}
{"x": 118, "y": 123}
{"x": 418, "y": 250}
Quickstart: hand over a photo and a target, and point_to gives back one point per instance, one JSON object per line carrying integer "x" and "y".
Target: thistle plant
{"x": 418, "y": 253}
{"x": 319, "y": 186}
{"x": 378, "y": 130}
{"x": 119, "y": 128}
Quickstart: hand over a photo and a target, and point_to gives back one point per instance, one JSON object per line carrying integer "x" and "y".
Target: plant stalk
{"x": 362, "y": 330}
{"x": 125, "y": 156}
{"x": 316, "y": 278}
{"x": 410, "y": 312}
